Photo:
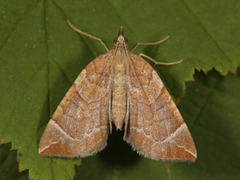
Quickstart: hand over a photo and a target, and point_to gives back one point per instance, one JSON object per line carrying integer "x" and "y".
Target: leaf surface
{"x": 40, "y": 57}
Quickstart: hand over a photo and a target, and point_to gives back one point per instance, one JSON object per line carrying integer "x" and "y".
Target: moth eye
{"x": 115, "y": 40}
{"x": 126, "y": 40}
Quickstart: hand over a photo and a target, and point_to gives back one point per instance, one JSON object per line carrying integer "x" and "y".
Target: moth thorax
{"x": 119, "y": 96}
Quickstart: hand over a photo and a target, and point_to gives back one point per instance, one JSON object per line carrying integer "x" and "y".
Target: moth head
{"x": 120, "y": 40}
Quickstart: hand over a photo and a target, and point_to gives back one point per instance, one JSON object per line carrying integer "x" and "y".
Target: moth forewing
{"x": 79, "y": 126}
{"x": 156, "y": 127}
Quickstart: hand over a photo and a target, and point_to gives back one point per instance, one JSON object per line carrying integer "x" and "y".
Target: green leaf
{"x": 211, "y": 109}
{"x": 8, "y": 164}
{"x": 40, "y": 57}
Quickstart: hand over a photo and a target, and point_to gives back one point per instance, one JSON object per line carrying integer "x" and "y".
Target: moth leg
{"x": 159, "y": 63}
{"x": 89, "y": 35}
{"x": 147, "y": 44}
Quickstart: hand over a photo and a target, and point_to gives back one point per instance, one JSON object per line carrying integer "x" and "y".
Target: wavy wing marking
{"x": 155, "y": 129}
{"x": 79, "y": 126}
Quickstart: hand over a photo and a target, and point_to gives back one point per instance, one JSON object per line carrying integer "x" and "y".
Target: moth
{"x": 122, "y": 88}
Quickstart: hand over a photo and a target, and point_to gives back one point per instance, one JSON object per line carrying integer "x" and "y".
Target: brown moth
{"x": 119, "y": 87}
